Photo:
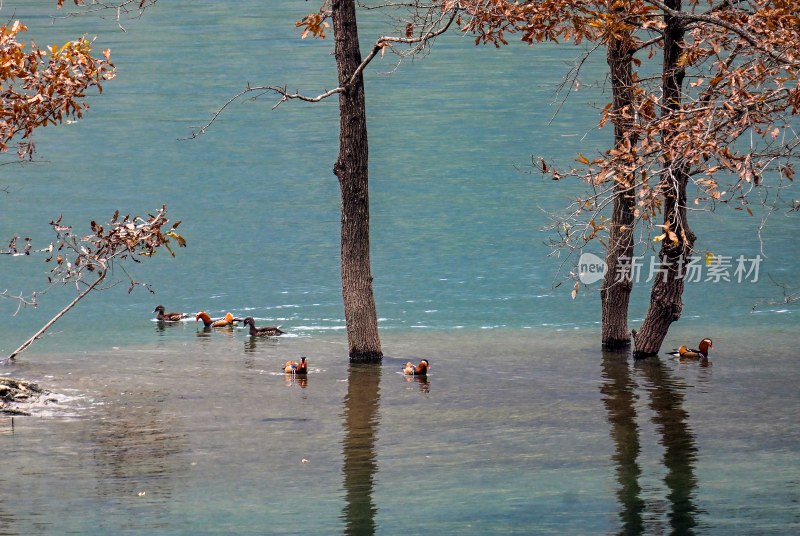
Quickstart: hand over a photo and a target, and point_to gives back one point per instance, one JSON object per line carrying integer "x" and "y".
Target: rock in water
{"x": 15, "y": 393}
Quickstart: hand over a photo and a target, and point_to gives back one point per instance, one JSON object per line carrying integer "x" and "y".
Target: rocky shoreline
{"x": 16, "y": 395}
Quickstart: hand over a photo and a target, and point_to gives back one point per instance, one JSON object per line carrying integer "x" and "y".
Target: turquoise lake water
{"x": 524, "y": 426}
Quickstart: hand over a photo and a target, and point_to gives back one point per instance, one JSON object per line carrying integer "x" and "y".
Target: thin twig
{"x": 101, "y": 276}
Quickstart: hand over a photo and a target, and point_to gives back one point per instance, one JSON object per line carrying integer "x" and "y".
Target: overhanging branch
{"x": 437, "y": 28}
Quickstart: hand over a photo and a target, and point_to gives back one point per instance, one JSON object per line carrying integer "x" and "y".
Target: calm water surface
{"x": 524, "y": 425}
{"x": 512, "y": 432}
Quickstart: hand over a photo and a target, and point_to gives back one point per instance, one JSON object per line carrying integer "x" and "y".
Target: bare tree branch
{"x": 100, "y": 277}
{"x": 437, "y": 28}
{"x": 77, "y": 257}
{"x": 133, "y": 9}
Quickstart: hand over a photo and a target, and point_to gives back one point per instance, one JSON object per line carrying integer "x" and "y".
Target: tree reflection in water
{"x": 680, "y": 454}
{"x": 360, "y": 464}
{"x": 680, "y": 451}
{"x": 619, "y": 398}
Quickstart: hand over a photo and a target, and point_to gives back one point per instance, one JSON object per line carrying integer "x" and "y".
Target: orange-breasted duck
{"x": 684, "y": 352}
{"x": 293, "y": 367}
{"x": 226, "y": 321}
{"x": 168, "y": 317}
{"x": 419, "y": 370}
{"x": 266, "y": 331}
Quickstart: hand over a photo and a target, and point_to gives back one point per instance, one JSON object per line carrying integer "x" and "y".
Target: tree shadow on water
{"x": 621, "y": 389}
{"x": 360, "y": 419}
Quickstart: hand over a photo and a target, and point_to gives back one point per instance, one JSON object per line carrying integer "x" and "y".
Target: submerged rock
{"x": 16, "y": 394}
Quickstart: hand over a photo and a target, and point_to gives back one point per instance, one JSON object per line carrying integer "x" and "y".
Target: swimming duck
{"x": 266, "y": 331}
{"x": 292, "y": 367}
{"x": 419, "y": 370}
{"x": 168, "y": 317}
{"x": 684, "y": 352}
{"x": 228, "y": 320}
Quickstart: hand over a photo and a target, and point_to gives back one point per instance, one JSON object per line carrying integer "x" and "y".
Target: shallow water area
{"x": 513, "y": 432}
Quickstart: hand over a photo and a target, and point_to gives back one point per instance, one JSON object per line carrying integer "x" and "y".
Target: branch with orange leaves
{"x": 758, "y": 42}
{"x": 44, "y": 86}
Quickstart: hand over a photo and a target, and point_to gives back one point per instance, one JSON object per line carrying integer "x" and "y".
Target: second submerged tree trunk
{"x": 666, "y": 302}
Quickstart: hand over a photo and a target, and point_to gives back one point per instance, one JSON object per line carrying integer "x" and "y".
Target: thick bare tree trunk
{"x": 666, "y": 302}
{"x": 352, "y": 170}
{"x": 616, "y": 291}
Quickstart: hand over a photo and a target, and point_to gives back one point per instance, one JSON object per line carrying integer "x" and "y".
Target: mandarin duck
{"x": 684, "y": 352}
{"x": 226, "y": 321}
{"x": 292, "y": 367}
{"x": 266, "y": 331}
{"x": 168, "y": 317}
{"x": 419, "y": 370}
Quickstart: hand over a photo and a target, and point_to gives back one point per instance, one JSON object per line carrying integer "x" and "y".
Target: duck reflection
{"x": 422, "y": 381}
{"x": 704, "y": 374}
{"x": 300, "y": 381}
{"x": 361, "y": 426}
{"x": 204, "y": 333}
{"x": 251, "y": 344}
{"x": 620, "y": 395}
{"x": 162, "y": 327}
{"x": 207, "y": 332}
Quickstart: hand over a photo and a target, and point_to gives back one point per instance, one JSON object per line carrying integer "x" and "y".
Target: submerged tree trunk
{"x": 617, "y": 283}
{"x": 666, "y": 302}
{"x": 352, "y": 170}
